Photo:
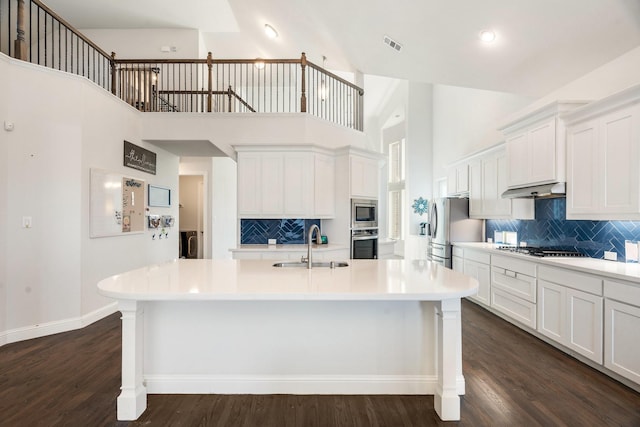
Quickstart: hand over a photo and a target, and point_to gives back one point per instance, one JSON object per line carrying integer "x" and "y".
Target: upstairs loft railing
{"x": 32, "y": 32}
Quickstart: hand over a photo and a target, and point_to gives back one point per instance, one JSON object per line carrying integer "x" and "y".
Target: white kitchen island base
{"x": 339, "y": 331}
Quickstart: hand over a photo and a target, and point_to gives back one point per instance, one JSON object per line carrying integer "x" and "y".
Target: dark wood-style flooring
{"x": 513, "y": 379}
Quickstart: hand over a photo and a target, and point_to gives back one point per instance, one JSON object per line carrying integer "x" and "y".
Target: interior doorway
{"x": 191, "y": 218}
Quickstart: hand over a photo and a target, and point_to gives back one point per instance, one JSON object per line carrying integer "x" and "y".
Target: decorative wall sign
{"x": 139, "y": 158}
{"x": 160, "y": 197}
{"x": 117, "y": 204}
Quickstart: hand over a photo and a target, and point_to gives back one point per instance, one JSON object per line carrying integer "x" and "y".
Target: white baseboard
{"x": 287, "y": 384}
{"x": 55, "y": 327}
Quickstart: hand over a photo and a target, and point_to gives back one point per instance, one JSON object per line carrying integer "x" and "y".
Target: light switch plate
{"x": 272, "y": 241}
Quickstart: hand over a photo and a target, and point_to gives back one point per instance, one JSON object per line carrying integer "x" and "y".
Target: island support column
{"x": 132, "y": 401}
{"x": 446, "y": 399}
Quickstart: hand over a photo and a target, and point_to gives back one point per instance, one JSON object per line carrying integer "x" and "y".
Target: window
{"x": 396, "y": 184}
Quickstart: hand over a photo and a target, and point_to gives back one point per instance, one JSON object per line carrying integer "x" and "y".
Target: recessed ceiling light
{"x": 270, "y": 31}
{"x": 487, "y": 36}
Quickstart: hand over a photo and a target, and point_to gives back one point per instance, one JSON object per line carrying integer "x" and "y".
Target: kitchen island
{"x": 244, "y": 326}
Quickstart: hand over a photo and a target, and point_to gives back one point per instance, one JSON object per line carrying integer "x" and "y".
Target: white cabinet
{"x": 622, "y": 323}
{"x": 364, "y": 177}
{"x": 324, "y": 186}
{"x": 603, "y": 162}
{"x": 290, "y": 184}
{"x": 570, "y": 310}
{"x": 477, "y": 265}
{"x": 457, "y": 259}
{"x": 458, "y": 179}
{"x": 488, "y": 180}
{"x": 513, "y": 289}
{"x": 536, "y": 146}
{"x": 532, "y": 156}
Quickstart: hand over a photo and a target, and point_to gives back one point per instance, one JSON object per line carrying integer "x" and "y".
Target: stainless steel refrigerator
{"x": 449, "y": 222}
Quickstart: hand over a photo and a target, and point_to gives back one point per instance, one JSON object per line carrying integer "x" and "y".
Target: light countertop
{"x": 362, "y": 280}
{"x": 612, "y": 269}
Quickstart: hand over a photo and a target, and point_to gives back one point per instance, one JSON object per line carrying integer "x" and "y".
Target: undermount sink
{"x": 330, "y": 264}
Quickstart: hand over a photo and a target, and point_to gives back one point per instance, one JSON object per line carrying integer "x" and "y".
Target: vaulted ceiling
{"x": 540, "y": 46}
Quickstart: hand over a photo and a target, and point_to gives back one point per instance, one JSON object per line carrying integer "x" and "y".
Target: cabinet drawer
{"x": 514, "y": 307}
{"x": 513, "y": 264}
{"x": 571, "y": 279}
{"x": 624, "y": 292}
{"x": 477, "y": 256}
{"x": 517, "y": 284}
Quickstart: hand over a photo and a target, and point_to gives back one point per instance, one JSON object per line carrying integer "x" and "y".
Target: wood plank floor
{"x": 513, "y": 379}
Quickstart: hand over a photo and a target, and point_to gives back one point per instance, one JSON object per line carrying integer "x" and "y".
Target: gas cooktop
{"x": 542, "y": 252}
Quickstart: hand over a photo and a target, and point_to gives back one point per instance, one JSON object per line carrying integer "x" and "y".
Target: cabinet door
{"x": 542, "y": 153}
{"x": 457, "y": 264}
{"x": 249, "y": 178}
{"x": 622, "y": 347}
{"x": 584, "y": 320}
{"x": 502, "y": 206}
{"x": 462, "y": 173}
{"x": 298, "y": 195}
{"x": 482, "y": 274}
{"x": 489, "y": 185}
{"x": 475, "y": 189}
{"x": 364, "y": 177}
{"x": 271, "y": 184}
{"x": 518, "y": 158}
{"x": 618, "y": 138}
{"x": 324, "y": 186}
{"x": 582, "y": 169}
{"x": 551, "y": 307}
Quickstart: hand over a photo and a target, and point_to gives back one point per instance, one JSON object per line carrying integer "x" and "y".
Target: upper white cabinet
{"x": 458, "y": 179}
{"x": 487, "y": 182}
{"x": 279, "y": 183}
{"x": 536, "y": 146}
{"x": 603, "y": 159}
{"x": 364, "y": 177}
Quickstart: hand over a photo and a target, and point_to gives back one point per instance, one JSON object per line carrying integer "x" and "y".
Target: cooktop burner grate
{"x": 542, "y": 252}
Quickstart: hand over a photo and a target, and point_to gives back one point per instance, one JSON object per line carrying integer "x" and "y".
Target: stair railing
{"x": 32, "y": 32}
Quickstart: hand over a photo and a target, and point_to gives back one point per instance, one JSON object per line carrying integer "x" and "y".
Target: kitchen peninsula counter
{"x": 244, "y": 326}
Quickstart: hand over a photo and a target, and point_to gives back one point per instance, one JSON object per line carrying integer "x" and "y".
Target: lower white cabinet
{"x": 622, "y": 323}
{"x": 476, "y": 265}
{"x": 570, "y": 310}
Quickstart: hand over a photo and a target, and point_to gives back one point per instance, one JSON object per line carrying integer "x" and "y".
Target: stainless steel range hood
{"x": 545, "y": 191}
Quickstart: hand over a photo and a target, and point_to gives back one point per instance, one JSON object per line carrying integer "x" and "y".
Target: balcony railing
{"x": 31, "y": 31}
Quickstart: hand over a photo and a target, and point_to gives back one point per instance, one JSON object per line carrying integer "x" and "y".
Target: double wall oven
{"x": 364, "y": 229}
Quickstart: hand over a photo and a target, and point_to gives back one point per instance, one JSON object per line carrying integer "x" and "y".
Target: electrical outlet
{"x": 272, "y": 241}
{"x": 523, "y": 244}
{"x": 611, "y": 256}
{"x": 26, "y": 222}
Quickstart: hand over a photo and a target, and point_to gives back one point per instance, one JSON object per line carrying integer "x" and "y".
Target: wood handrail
{"x": 338, "y": 78}
{"x": 71, "y": 28}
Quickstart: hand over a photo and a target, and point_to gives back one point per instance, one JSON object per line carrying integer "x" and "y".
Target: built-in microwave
{"x": 364, "y": 213}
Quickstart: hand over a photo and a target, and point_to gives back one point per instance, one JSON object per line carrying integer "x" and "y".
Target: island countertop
{"x": 229, "y": 280}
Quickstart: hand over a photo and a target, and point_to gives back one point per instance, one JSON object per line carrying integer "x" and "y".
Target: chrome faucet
{"x": 313, "y": 228}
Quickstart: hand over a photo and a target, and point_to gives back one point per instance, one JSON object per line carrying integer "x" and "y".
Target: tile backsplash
{"x": 551, "y": 228}
{"x": 285, "y": 231}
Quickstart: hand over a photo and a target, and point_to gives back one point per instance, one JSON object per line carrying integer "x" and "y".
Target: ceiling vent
{"x": 392, "y": 43}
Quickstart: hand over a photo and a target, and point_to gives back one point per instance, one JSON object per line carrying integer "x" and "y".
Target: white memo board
{"x": 108, "y": 191}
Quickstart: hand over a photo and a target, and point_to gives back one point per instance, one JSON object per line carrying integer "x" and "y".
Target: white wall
{"x": 146, "y": 43}
{"x": 64, "y": 125}
{"x": 619, "y": 74}
{"x": 4, "y": 186}
{"x": 467, "y": 120}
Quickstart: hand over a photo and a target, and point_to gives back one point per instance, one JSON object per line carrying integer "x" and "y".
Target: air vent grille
{"x": 392, "y": 43}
